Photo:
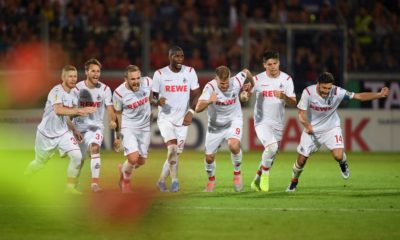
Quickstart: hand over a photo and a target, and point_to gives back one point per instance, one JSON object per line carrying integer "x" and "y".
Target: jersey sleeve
{"x": 55, "y": 96}
{"x": 208, "y": 89}
{"x": 148, "y": 82}
{"x": 155, "y": 86}
{"x": 194, "y": 81}
{"x": 239, "y": 79}
{"x": 303, "y": 103}
{"x": 117, "y": 100}
{"x": 108, "y": 97}
{"x": 289, "y": 88}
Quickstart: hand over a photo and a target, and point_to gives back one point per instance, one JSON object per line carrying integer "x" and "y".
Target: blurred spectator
{"x": 212, "y": 29}
{"x": 195, "y": 60}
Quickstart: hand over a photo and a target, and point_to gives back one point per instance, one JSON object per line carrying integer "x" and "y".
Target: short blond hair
{"x": 131, "y": 68}
{"x": 66, "y": 69}
{"x": 222, "y": 72}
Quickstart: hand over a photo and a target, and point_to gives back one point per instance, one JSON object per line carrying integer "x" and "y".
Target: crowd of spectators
{"x": 210, "y": 31}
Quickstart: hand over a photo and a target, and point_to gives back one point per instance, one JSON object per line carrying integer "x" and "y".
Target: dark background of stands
{"x": 209, "y": 31}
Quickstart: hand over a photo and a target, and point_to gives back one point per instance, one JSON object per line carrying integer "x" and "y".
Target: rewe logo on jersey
{"x": 176, "y": 88}
{"x": 227, "y": 102}
{"x": 138, "y": 103}
{"x": 90, "y": 104}
{"x": 269, "y": 93}
{"x": 320, "y": 109}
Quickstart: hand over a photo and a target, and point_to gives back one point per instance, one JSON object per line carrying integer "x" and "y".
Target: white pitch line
{"x": 394, "y": 210}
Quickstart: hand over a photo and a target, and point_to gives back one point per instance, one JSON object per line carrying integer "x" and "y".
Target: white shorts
{"x": 135, "y": 140}
{"x": 169, "y": 131}
{"x": 45, "y": 147}
{"x": 309, "y": 144}
{"x": 94, "y": 135}
{"x": 267, "y": 134}
{"x": 214, "y": 140}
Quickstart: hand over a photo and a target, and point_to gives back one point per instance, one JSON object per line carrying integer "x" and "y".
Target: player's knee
{"x": 141, "y": 161}
{"x": 271, "y": 150}
{"x": 301, "y": 161}
{"x": 172, "y": 153}
{"x": 94, "y": 148}
{"x": 210, "y": 158}
{"x": 133, "y": 158}
{"x": 76, "y": 157}
{"x": 234, "y": 146}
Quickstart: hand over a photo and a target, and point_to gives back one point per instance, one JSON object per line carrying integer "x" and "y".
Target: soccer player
{"x": 317, "y": 113}
{"x": 273, "y": 89}
{"x": 175, "y": 91}
{"x": 225, "y": 120}
{"x": 133, "y": 111}
{"x": 92, "y": 92}
{"x": 54, "y": 131}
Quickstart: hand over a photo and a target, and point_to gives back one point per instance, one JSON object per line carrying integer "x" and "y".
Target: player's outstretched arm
{"x": 368, "y": 96}
{"x": 60, "y": 110}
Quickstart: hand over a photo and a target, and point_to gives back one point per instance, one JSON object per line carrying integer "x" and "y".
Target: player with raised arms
{"x": 318, "y": 114}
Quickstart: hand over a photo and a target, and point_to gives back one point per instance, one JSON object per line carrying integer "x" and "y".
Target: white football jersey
{"x": 321, "y": 112}
{"x": 135, "y": 106}
{"x": 53, "y": 125}
{"x": 175, "y": 87}
{"x": 268, "y": 108}
{"x": 227, "y": 107}
{"x": 98, "y": 97}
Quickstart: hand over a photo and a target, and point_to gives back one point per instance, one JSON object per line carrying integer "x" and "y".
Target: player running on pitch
{"x": 317, "y": 113}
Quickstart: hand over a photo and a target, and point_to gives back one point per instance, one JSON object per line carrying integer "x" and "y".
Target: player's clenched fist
{"x": 384, "y": 92}
{"x": 162, "y": 101}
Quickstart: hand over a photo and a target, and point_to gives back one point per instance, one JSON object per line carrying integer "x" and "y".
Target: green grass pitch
{"x": 367, "y": 206}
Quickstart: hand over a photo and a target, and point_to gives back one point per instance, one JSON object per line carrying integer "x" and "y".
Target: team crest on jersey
{"x": 234, "y": 95}
{"x": 98, "y": 97}
{"x": 281, "y": 86}
{"x": 184, "y": 80}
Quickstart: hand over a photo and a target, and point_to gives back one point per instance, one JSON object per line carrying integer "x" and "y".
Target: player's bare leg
{"x": 210, "y": 166}
{"x": 236, "y": 157}
{"x": 134, "y": 161}
{"x": 95, "y": 163}
{"x": 172, "y": 158}
{"x": 298, "y": 167}
{"x": 341, "y": 158}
